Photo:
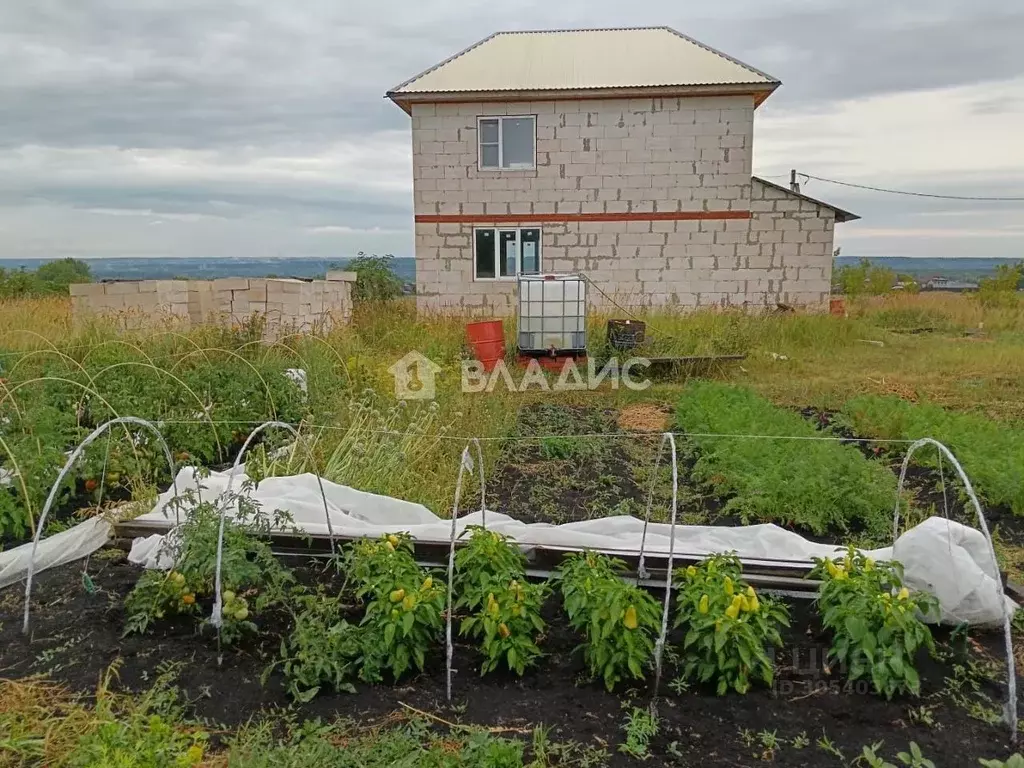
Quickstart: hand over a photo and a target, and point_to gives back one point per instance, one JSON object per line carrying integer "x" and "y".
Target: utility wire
{"x": 809, "y": 176}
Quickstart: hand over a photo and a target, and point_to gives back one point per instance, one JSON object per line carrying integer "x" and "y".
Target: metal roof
{"x": 841, "y": 215}
{"x": 584, "y": 59}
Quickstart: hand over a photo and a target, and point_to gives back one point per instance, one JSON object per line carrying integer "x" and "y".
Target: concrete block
{"x": 121, "y": 289}
{"x": 231, "y": 284}
{"x": 338, "y": 275}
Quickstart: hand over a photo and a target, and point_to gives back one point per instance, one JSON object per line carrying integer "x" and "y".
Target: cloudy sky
{"x": 258, "y": 127}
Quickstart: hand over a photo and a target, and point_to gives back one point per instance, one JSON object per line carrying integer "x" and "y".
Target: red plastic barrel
{"x": 488, "y": 341}
{"x": 837, "y": 307}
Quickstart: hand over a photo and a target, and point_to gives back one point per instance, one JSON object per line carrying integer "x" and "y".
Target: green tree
{"x": 56, "y": 276}
{"x": 865, "y": 279}
{"x": 1000, "y": 290}
{"x": 375, "y": 278}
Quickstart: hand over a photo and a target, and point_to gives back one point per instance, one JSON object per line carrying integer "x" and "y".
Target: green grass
{"x": 991, "y": 453}
{"x": 43, "y": 724}
{"x": 818, "y": 485}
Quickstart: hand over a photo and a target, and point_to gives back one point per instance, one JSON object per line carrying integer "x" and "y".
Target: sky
{"x": 258, "y": 127}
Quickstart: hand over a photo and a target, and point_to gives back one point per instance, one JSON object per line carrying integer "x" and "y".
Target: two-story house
{"x": 620, "y": 154}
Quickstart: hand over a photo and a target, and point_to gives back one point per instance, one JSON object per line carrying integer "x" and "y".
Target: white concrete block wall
{"x": 285, "y": 305}
{"x": 618, "y": 158}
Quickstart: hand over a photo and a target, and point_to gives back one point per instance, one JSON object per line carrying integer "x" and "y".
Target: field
{"x": 896, "y": 369}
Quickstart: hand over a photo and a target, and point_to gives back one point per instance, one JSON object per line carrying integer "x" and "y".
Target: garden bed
{"x": 77, "y": 626}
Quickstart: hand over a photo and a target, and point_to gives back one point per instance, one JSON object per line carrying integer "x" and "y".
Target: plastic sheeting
{"x": 945, "y": 558}
{"x": 64, "y": 547}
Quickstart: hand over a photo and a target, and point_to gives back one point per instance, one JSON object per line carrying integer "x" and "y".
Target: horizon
{"x": 260, "y": 129}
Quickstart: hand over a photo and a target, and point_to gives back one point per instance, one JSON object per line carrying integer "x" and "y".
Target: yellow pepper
{"x": 691, "y": 571}
{"x": 393, "y": 540}
{"x": 732, "y": 611}
{"x": 409, "y": 602}
{"x": 427, "y": 583}
{"x": 703, "y": 606}
{"x": 503, "y": 630}
{"x": 630, "y": 618}
{"x": 729, "y": 589}
{"x": 904, "y": 594}
{"x": 397, "y": 596}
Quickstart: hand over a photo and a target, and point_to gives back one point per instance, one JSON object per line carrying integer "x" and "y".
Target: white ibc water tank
{"x": 552, "y": 313}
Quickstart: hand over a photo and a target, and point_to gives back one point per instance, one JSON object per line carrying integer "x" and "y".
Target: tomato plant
{"x": 253, "y": 579}
{"x": 728, "y": 626}
{"x": 874, "y": 620}
{"x": 404, "y": 609}
{"x": 620, "y": 621}
{"x": 322, "y": 648}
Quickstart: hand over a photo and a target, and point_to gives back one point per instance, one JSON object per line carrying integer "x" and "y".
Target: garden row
{"x": 388, "y": 616}
{"x": 828, "y": 485}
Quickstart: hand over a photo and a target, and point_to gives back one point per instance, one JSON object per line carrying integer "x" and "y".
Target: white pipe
{"x": 75, "y": 454}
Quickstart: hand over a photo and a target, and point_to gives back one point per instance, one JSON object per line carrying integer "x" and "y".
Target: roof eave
{"x": 842, "y": 216}
{"x": 759, "y": 90}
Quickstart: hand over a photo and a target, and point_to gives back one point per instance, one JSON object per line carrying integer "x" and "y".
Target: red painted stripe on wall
{"x": 562, "y": 218}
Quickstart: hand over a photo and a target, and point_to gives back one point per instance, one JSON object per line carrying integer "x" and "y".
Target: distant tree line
{"x": 52, "y": 278}
{"x": 867, "y": 279}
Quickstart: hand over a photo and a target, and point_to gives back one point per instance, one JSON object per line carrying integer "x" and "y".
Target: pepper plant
{"x": 619, "y": 620}
{"x": 404, "y": 610}
{"x": 874, "y": 620}
{"x": 252, "y": 579}
{"x": 490, "y": 580}
{"x": 728, "y": 627}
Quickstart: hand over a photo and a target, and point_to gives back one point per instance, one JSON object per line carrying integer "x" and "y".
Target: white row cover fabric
{"x": 945, "y": 558}
{"x": 64, "y": 547}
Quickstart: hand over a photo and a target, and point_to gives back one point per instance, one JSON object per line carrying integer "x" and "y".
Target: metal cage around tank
{"x": 552, "y": 314}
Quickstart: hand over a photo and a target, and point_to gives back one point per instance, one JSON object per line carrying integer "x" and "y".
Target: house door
{"x": 508, "y": 250}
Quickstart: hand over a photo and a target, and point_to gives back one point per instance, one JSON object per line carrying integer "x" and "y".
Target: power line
{"x": 809, "y": 176}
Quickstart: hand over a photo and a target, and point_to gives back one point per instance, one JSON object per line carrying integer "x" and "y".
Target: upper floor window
{"x": 507, "y": 143}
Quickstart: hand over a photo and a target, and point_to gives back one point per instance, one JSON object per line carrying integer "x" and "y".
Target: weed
{"x": 825, "y": 744}
{"x": 800, "y": 741}
{"x": 769, "y": 742}
{"x": 641, "y": 726}
{"x": 1014, "y": 761}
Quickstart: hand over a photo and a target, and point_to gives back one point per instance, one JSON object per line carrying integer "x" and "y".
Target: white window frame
{"x": 498, "y": 277}
{"x": 501, "y": 143}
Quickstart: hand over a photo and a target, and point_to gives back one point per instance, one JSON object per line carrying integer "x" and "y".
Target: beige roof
{"x": 584, "y": 59}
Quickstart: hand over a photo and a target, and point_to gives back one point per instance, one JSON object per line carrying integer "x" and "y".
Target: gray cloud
{"x": 270, "y": 117}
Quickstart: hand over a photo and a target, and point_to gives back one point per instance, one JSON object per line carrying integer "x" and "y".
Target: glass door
{"x": 508, "y": 252}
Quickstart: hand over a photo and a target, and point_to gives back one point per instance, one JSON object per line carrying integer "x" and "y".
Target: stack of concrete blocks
{"x": 135, "y": 303}
{"x": 651, "y": 198}
{"x": 286, "y": 306}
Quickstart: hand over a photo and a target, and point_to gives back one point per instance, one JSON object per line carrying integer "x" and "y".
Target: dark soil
{"x": 570, "y": 478}
{"x": 77, "y": 635}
